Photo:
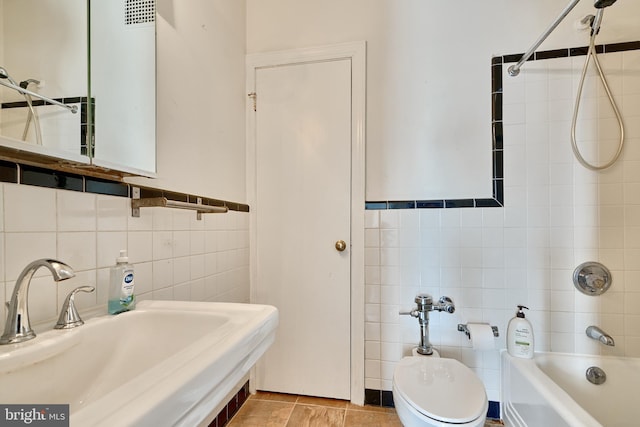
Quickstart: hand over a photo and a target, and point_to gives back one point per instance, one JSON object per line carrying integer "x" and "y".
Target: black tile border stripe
{"x": 497, "y": 148}
{"x": 18, "y": 173}
{"x": 41, "y": 102}
{"x": 39, "y": 177}
{"x": 87, "y": 138}
{"x": 232, "y": 407}
{"x": 493, "y": 413}
{"x": 8, "y": 172}
{"x": 573, "y": 51}
{"x": 102, "y": 186}
{"x": 384, "y": 398}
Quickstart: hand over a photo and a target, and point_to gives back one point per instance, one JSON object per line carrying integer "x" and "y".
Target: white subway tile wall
{"x": 557, "y": 215}
{"x": 175, "y": 256}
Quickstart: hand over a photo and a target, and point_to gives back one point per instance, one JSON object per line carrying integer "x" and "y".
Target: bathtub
{"x": 552, "y": 390}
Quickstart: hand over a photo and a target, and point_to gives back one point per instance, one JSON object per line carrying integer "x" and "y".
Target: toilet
{"x": 432, "y": 391}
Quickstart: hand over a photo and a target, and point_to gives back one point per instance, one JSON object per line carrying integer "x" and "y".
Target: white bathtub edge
{"x": 556, "y": 397}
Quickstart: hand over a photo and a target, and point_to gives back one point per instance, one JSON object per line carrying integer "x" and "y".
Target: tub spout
{"x": 598, "y": 334}
{"x": 607, "y": 340}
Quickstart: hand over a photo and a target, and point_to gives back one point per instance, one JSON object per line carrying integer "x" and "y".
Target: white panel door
{"x": 303, "y": 207}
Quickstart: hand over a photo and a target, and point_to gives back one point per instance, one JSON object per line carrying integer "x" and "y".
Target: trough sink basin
{"x": 167, "y": 363}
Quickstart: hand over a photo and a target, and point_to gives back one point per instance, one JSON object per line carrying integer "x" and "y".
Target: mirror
{"x": 44, "y": 50}
{"x": 123, "y": 84}
{"x": 53, "y": 56}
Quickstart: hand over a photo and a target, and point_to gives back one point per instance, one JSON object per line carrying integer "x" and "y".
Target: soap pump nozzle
{"x": 520, "y": 313}
{"x": 123, "y": 258}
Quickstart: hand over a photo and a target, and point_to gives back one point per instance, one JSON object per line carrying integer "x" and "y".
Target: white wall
{"x": 201, "y": 98}
{"x": 428, "y": 88}
{"x": 428, "y": 118}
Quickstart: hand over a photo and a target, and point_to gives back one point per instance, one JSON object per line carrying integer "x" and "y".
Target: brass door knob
{"x": 341, "y": 245}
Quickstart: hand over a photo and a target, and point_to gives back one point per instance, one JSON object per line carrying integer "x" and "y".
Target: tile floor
{"x": 279, "y": 410}
{"x": 284, "y": 410}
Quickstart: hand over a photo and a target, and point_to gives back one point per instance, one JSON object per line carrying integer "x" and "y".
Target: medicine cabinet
{"x": 95, "y": 55}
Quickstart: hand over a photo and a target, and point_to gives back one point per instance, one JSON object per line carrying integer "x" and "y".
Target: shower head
{"x": 601, "y": 4}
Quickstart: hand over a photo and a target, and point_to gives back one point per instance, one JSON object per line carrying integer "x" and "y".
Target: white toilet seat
{"x": 443, "y": 390}
{"x": 412, "y": 418}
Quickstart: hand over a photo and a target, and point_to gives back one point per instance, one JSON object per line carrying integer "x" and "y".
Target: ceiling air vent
{"x": 139, "y": 11}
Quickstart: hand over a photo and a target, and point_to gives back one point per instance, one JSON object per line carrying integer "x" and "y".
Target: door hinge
{"x": 253, "y": 96}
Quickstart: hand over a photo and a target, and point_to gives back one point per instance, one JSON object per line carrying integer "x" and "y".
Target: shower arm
{"x": 72, "y": 108}
{"x": 514, "y": 70}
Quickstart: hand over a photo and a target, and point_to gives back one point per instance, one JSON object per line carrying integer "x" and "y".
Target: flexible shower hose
{"x": 36, "y": 122}
{"x": 576, "y": 151}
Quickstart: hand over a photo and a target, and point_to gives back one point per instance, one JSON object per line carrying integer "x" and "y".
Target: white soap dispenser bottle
{"x": 520, "y": 336}
{"x": 121, "y": 285}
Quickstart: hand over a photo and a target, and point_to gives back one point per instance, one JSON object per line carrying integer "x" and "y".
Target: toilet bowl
{"x": 438, "y": 392}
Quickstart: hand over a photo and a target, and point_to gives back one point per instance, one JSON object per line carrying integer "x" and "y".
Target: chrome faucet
{"x": 598, "y": 334}
{"x": 18, "y": 328}
{"x": 425, "y": 305}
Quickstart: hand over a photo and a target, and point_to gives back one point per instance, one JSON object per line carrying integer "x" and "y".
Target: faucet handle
{"x": 69, "y": 317}
{"x": 412, "y": 313}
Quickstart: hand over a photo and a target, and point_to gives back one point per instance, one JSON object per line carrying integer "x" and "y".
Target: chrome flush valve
{"x": 421, "y": 312}
{"x": 445, "y": 304}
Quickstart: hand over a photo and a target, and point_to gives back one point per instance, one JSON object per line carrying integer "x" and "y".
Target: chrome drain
{"x": 596, "y": 375}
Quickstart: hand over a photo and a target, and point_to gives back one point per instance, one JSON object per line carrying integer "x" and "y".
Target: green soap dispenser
{"x": 520, "y": 341}
{"x": 121, "y": 285}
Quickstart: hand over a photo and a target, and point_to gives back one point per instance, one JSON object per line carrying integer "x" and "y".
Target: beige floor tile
{"x": 266, "y": 409}
{"x": 278, "y": 397}
{"x": 262, "y": 413}
{"x": 316, "y": 416}
{"x": 352, "y": 407}
{"x": 321, "y": 401}
{"x": 356, "y": 418}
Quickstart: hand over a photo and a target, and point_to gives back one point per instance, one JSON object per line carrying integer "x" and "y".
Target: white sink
{"x": 166, "y": 363}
